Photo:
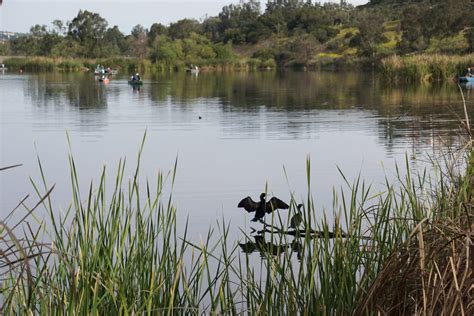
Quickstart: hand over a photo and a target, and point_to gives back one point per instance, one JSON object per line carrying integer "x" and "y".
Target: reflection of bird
{"x": 297, "y": 219}
{"x": 297, "y": 248}
{"x": 262, "y": 207}
{"x": 265, "y": 248}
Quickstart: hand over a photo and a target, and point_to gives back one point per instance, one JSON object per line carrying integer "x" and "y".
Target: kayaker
{"x": 469, "y": 72}
{"x": 135, "y": 77}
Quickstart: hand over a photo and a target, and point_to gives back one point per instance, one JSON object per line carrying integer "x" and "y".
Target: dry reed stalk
{"x": 440, "y": 281}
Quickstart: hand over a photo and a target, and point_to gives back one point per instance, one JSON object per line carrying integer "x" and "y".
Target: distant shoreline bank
{"x": 411, "y": 68}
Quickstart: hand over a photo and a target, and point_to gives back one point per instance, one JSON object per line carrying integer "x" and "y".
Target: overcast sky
{"x": 20, "y": 15}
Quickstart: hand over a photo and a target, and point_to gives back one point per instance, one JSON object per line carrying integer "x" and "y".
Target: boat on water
{"x": 466, "y": 79}
{"x": 104, "y": 79}
{"x": 193, "y": 69}
{"x": 101, "y": 70}
{"x": 135, "y": 82}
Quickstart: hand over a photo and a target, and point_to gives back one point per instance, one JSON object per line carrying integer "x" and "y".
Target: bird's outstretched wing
{"x": 275, "y": 203}
{"x": 248, "y": 204}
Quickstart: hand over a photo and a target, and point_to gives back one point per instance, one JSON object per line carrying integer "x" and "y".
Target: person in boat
{"x": 469, "y": 72}
{"x": 135, "y": 77}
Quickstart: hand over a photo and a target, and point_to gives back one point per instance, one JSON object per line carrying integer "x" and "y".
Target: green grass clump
{"x": 124, "y": 253}
{"x": 70, "y": 65}
{"x": 30, "y": 63}
{"x": 425, "y": 67}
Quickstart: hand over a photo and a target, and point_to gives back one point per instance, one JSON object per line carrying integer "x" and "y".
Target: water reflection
{"x": 279, "y": 105}
{"x": 251, "y": 125}
{"x": 265, "y": 248}
{"x": 292, "y": 105}
{"x": 79, "y": 91}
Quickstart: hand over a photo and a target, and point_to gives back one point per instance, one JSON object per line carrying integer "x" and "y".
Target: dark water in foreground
{"x": 252, "y": 126}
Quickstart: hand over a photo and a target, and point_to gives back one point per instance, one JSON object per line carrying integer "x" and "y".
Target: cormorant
{"x": 262, "y": 207}
{"x": 297, "y": 219}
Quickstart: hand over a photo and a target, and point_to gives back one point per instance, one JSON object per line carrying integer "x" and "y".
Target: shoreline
{"x": 409, "y": 68}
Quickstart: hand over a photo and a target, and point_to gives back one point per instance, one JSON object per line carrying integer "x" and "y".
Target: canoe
{"x": 135, "y": 82}
{"x": 466, "y": 79}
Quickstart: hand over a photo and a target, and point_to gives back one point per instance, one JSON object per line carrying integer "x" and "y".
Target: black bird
{"x": 297, "y": 219}
{"x": 262, "y": 207}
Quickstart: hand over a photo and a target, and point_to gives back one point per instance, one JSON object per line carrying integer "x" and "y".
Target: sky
{"x": 20, "y": 15}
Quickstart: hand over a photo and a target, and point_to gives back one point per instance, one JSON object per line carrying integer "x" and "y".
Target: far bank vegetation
{"x": 283, "y": 34}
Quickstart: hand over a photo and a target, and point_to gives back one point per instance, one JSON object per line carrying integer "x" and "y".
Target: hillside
{"x": 284, "y": 33}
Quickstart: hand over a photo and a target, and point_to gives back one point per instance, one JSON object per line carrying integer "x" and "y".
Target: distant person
{"x": 469, "y": 72}
{"x": 135, "y": 77}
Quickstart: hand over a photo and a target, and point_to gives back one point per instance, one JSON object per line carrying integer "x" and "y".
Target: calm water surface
{"x": 253, "y": 127}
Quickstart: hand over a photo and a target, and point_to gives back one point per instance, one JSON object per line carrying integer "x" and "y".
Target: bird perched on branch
{"x": 297, "y": 219}
{"x": 262, "y": 207}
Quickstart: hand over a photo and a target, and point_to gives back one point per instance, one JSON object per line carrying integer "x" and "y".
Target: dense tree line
{"x": 285, "y": 31}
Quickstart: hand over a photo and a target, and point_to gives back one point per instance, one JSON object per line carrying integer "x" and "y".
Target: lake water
{"x": 255, "y": 129}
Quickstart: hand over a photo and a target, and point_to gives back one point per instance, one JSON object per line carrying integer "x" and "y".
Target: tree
{"x": 183, "y": 28}
{"x": 165, "y": 50}
{"x": 210, "y": 28}
{"x": 5, "y": 48}
{"x": 116, "y": 42}
{"x": 156, "y": 29}
{"x": 447, "y": 17}
{"x": 412, "y": 28}
{"x": 239, "y": 21}
{"x": 139, "y": 41}
{"x": 59, "y": 28}
{"x": 370, "y": 26}
{"x": 89, "y": 30}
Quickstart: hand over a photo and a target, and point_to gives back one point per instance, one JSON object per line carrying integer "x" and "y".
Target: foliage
{"x": 121, "y": 251}
{"x": 183, "y": 28}
{"x": 425, "y": 67}
{"x": 449, "y": 44}
{"x": 89, "y": 30}
{"x": 5, "y": 48}
{"x": 420, "y": 22}
{"x": 297, "y": 30}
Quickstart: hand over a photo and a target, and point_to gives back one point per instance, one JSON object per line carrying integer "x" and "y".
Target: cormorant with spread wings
{"x": 262, "y": 207}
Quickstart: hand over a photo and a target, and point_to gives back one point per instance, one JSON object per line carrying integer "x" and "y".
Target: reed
{"x": 125, "y": 254}
{"x": 130, "y": 65}
{"x": 425, "y": 67}
{"x": 75, "y": 64}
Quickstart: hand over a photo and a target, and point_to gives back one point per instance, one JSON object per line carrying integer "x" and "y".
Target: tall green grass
{"x": 425, "y": 67}
{"x": 76, "y": 64}
{"x": 130, "y": 65}
{"x": 125, "y": 254}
